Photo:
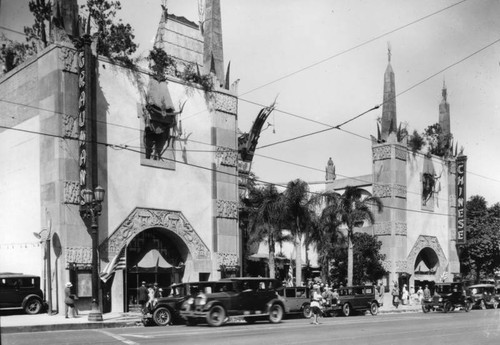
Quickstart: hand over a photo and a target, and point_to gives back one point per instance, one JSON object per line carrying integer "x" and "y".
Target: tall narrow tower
{"x": 389, "y": 120}
{"x": 444, "y": 112}
{"x": 213, "y": 54}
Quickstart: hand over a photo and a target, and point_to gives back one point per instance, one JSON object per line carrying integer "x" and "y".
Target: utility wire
{"x": 355, "y": 47}
{"x": 200, "y": 166}
{"x": 390, "y": 99}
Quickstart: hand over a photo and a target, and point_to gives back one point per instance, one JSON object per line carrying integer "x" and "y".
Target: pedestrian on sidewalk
{"x": 420, "y": 294}
{"x": 69, "y": 301}
{"x": 380, "y": 294}
{"x": 405, "y": 295}
{"x": 316, "y": 300}
{"x": 142, "y": 295}
{"x": 395, "y": 295}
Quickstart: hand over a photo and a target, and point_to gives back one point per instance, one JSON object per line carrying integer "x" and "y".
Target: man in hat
{"x": 142, "y": 295}
{"x": 69, "y": 301}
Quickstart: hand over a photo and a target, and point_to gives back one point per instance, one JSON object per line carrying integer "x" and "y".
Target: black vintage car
{"x": 252, "y": 299}
{"x": 355, "y": 299}
{"x": 165, "y": 310}
{"x": 447, "y": 297}
{"x": 21, "y": 291}
{"x": 483, "y": 296}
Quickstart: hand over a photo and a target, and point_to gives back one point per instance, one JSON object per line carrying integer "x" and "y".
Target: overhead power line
{"x": 353, "y": 48}
{"x": 378, "y": 106}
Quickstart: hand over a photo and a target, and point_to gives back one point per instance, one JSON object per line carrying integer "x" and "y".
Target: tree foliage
{"x": 42, "y": 11}
{"x": 367, "y": 261}
{"x": 481, "y": 254}
{"x": 114, "y": 38}
{"x": 439, "y": 143}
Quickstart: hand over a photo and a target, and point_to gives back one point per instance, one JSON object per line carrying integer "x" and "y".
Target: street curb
{"x": 67, "y": 327}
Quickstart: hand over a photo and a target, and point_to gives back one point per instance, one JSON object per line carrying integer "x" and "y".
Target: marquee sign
{"x": 82, "y": 121}
{"x": 461, "y": 200}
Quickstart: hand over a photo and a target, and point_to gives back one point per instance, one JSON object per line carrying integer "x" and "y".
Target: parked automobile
{"x": 253, "y": 299}
{"x": 296, "y": 300}
{"x": 355, "y": 299}
{"x": 447, "y": 297}
{"x": 166, "y": 309}
{"x": 21, "y": 291}
{"x": 483, "y": 296}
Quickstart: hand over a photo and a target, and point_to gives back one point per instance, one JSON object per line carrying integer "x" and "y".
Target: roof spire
{"x": 389, "y": 51}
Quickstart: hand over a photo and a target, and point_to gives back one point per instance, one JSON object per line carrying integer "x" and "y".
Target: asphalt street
{"x": 459, "y": 327}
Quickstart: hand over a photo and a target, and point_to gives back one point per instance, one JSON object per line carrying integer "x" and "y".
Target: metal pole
{"x": 49, "y": 275}
{"x": 95, "y": 314}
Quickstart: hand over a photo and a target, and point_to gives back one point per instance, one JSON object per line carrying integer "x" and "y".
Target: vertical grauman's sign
{"x": 461, "y": 200}
{"x": 82, "y": 121}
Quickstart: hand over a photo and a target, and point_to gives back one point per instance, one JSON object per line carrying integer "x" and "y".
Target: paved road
{"x": 476, "y": 327}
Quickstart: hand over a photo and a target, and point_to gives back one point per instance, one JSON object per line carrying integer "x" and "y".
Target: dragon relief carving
{"x": 141, "y": 219}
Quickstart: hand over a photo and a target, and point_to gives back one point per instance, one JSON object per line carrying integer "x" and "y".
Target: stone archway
{"x": 427, "y": 250}
{"x": 141, "y": 219}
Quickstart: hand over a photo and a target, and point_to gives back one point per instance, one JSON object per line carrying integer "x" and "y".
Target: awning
{"x": 153, "y": 259}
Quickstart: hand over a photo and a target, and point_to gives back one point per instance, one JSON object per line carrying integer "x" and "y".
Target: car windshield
{"x": 443, "y": 289}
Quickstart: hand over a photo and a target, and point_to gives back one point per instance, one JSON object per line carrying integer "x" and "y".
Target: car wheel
{"x": 33, "y": 306}
{"x": 468, "y": 306}
{"x": 306, "y": 311}
{"x": 276, "y": 313}
{"x": 374, "y": 308}
{"x": 447, "y": 307}
{"x": 162, "y": 316}
{"x": 346, "y": 309}
{"x": 216, "y": 316}
{"x": 426, "y": 308}
{"x": 482, "y": 305}
{"x": 191, "y": 321}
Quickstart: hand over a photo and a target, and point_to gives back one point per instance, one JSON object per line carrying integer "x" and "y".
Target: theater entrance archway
{"x": 155, "y": 255}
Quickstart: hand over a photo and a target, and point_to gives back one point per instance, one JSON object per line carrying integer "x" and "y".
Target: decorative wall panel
{"x": 226, "y": 103}
{"x": 142, "y": 218}
{"x": 227, "y": 209}
{"x": 226, "y": 156}
{"x": 72, "y": 192}
{"x": 381, "y": 152}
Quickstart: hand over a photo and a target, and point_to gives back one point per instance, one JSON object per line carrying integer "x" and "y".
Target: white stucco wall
{"x": 129, "y": 184}
{"x": 431, "y": 221}
{"x": 20, "y": 251}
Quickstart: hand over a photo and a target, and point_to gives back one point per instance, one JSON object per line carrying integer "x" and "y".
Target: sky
{"x": 325, "y": 61}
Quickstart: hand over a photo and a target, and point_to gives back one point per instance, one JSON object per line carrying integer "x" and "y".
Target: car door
{"x": 10, "y": 296}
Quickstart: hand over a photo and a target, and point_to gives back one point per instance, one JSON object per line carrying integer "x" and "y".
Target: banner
{"x": 461, "y": 200}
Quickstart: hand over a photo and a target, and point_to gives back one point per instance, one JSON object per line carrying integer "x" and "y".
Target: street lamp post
{"x": 92, "y": 209}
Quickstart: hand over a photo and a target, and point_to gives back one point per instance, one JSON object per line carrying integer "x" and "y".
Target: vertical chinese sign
{"x": 461, "y": 200}
{"x": 82, "y": 121}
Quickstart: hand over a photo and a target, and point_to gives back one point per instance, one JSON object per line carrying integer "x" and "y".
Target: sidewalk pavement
{"x": 17, "y": 323}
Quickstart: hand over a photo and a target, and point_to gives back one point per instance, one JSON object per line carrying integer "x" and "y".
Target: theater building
{"x": 418, "y": 226}
{"x": 164, "y": 151}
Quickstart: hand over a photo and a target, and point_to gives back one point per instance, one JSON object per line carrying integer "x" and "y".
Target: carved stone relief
{"x": 78, "y": 256}
{"x": 72, "y": 192}
{"x": 226, "y": 156}
{"x": 227, "y": 209}
{"x": 388, "y": 190}
{"x": 68, "y": 59}
{"x": 401, "y": 228}
{"x": 402, "y": 266}
{"x": 400, "y": 153}
{"x": 381, "y": 152}
{"x": 427, "y": 242}
{"x": 70, "y": 124}
{"x": 142, "y": 218}
{"x": 382, "y": 228}
{"x": 226, "y": 103}
{"x": 227, "y": 259}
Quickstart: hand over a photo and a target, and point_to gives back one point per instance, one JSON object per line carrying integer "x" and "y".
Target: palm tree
{"x": 265, "y": 220}
{"x": 298, "y": 215}
{"x": 354, "y": 211}
{"x": 326, "y": 236}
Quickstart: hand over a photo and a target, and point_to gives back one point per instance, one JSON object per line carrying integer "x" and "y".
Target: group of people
{"x": 410, "y": 297}
{"x": 147, "y": 296}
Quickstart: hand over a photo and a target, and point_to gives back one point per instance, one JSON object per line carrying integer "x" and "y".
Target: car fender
{"x": 30, "y": 296}
{"x": 274, "y": 301}
{"x": 212, "y": 303}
